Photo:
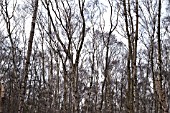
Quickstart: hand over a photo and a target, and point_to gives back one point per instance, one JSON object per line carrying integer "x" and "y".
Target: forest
{"x": 84, "y": 56}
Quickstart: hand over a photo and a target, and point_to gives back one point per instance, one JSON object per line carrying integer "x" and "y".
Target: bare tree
{"x": 132, "y": 35}
{"x": 159, "y": 82}
{"x": 79, "y": 62}
{"x": 26, "y": 67}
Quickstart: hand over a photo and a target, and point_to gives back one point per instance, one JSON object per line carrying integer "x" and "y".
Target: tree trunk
{"x": 159, "y": 86}
{"x": 129, "y": 90}
{"x": 26, "y": 68}
{"x": 136, "y": 104}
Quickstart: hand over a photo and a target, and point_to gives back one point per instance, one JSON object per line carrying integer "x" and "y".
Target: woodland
{"x": 85, "y": 56}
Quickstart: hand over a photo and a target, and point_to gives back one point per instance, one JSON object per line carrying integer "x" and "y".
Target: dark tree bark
{"x": 159, "y": 83}
{"x": 132, "y": 36}
{"x": 27, "y": 63}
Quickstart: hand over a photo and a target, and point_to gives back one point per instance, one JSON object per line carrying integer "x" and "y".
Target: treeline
{"x": 85, "y": 56}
